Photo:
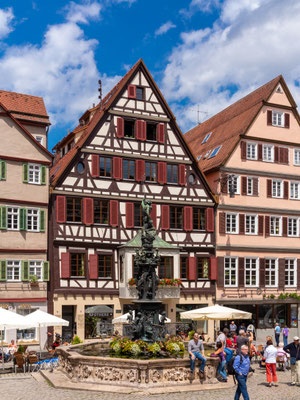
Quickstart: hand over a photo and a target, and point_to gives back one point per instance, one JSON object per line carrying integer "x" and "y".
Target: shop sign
{"x": 24, "y": 306}
{"x": 103, "y": 314}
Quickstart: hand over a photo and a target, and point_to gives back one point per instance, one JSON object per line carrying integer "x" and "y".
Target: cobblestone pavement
{"x": 28, "y": 388}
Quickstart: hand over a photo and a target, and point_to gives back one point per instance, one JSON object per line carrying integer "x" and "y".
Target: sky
{"x": 203, "y": 54}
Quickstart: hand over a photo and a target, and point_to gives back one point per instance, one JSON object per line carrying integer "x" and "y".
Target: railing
{"x": 164, "y": 292}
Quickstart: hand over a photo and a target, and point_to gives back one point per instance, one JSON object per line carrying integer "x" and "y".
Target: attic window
{"x": 279, "y": 89}
{"x": 215, "y": 152}
{"x": 140, "y": 93}
{"x": 199, "y": 157}
{"x": 206, "y": 138}
{"x": 206, "y": 154}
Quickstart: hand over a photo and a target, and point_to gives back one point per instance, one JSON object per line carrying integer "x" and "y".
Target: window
{"x": 77, "y": 264}
{"x": 232, "y": 221}
{"x": 13, "y": 218}
{"x": 296, "y": 156}
{"x": 251, "y": 271}
{"x": 34, "y": 173}
{"x": 26, "y": 334}
{"x": 251, "y": 151}
{"x": 206, "y": 138}
{"x": 13, "y": 270}
{"x": 101, "y": 212}
{"x": 251, "y": 224}
{"x": 268, "y": 153}
{"x": 295, "y": 190}
{"x": 128, "y": 128}
{"x": 271, "y": 272}
{"x": 184, "y": 262}
{"x": 234, "y": 184}
{"x": 73, "y": 209}
{"x": 215, "y": 152}
{"x": 39, "y": 139}
{"x": 172, "y": 173}
{"x": 128, "y": 169}
{"x": 275, "y": 226}
{"x": 35, "y": 268}
{"x": 230, "y": 271}
{"x": 105, "y": 169}
{"x": 80, "y": 167}
{"x": 293, "y": 226}
{"x": 151, "y": 132}
{"x": 138, "y": 214}
{"x": 277, "y": 188}
{"x": 176, "y": 217}
{"x": 105, "y": 263}
{"x": 202, "y": 268}
{"x": 33, "y": 219}
{"x": 150, "y": 171}
{"x": 165, "y": 268}
{"x": 199, "y": 220}
{"x": 206, "y": 154}
{"x": 290, "y": 277}
{"x": 249, "y": 186}
{"x": 139, "y": 93}
{"x": 277, "y": 118}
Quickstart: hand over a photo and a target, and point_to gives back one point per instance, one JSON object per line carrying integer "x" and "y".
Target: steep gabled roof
{"x": 227, "y": 126}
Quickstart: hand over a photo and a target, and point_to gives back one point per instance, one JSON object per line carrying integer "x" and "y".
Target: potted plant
{"x": 34, "y": 280}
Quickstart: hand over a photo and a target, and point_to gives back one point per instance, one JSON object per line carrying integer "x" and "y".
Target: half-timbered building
{"x": 124, "y": 149}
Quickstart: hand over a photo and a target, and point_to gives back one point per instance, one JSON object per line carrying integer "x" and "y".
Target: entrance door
{"x": 68, "y": 313}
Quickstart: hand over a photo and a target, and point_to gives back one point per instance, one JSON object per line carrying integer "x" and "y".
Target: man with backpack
{"x": 241, "y": 366}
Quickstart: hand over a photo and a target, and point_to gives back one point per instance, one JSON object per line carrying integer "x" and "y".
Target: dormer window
{"x": 140, "y": 93}
{"x": 206, "y": 138}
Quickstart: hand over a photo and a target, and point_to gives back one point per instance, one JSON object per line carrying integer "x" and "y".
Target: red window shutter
{"x": 141, "y": 130}
{"x": 114, "y": 212}
{"x": 276, "y": 154}
{"x": 210, "y": 221}
{"x": 255, "y": 186}
{"x": 298, "y": 273}
{"x": 129, "y": 215}
{"x": 286, "y": 120}
{"x": 188, "y": 218}
{"x": 93, "y": 266}
{"x": 269, "y": 117}
{"x": 220, "y": 281}
{"x": 259, "y": 155}
{"x": 284, "y": 226}
{"x": 95, "y": 165}
{"x": 162, "y": 172}
{"x": 117, "y": 167}
{"x": 244, "y": 185}
{"x": 213, "y": 268}
{"x": 60, "y": 209}
{"x": 262, "y": 276}
{"x": 182, "y": 175}
{"x": 192, "y": 268}
{"x": 260, "y": 225}
{"x": 88, "y": 211}
{"x": 132, "y": 91}
{"x": 283, "y": 155}
{"x": 242, "y": 224}
{"x": 140, "y": 170}
{"x": 65, "y": 265}
{"x": 224, "y": 184}
{"x": 222, "y": 223}
{"x": 281, "y": 274}
{"x": 153, "y": 215}
{"x": 243, "y": 150}
{"x": 267, "y": 225}
{"x": 285, "y": 190}
{"x": 160, "y": 133}
{"x": 120, "y": 127}
{"x": 165, "y": 217}
{"x": 269, "y": 187}
{"x": 241, "y": 272}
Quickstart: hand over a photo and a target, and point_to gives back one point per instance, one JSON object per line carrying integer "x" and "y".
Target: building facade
{"x": 24, "y": 186}
{"x": 250, "y": 154}
{"x": 126, "y": 148}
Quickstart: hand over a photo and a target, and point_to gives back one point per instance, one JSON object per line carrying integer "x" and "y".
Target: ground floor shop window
{"x": 26, "y": 334}
{"x": 98, "y": 321}
{"x": 183, "y": 327}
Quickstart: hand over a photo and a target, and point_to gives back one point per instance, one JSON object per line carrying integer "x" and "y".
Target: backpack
{"x": 230, "y": 369}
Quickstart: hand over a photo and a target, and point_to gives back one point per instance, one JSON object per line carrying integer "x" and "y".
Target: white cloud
{"x": 124, "y": 1}
{"x": 6, "y": 18}
{"x": 81, "y": 13}
{"x": 246, "y": 47}
{"x": 164, "y": 28}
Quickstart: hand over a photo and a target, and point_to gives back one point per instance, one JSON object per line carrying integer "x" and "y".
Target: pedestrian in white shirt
{"x": 270, "y": 355}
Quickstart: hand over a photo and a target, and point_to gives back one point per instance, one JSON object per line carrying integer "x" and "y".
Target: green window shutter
{"x": 23, "y": 219}
{"x": 46, "y": 271}
{"x": 3, "y": 217}
{"x": 3, "y": 270}
{"x": 25, "y": 172}
{"x": 43, "y": 175}
{"x": 42, "y": 220}
{"x": 2, "y": 170}
{"x": 25, "y": 270}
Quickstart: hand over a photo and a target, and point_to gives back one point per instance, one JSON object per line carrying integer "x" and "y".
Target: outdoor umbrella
{"x": 215, "y": 312}
{"x": 12, "y": 320}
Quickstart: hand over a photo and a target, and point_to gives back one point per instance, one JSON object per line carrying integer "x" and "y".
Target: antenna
{"x": 198, "y": 113}
{"x": 100, "y": 92}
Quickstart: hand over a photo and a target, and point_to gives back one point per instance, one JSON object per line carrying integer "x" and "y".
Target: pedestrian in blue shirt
{"x": 241, "y": 366}
{"x": 277, "y": 333}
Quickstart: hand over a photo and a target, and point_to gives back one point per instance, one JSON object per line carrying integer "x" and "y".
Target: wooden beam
{"x": 136, "y": 115}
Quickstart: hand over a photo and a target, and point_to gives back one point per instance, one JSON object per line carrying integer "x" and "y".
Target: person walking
{"x": 194, "y": 348}
{"x": 294, "y": 350}
{"x": 277, "y": 331}
{"x": 285, "y": 333}
{"x": 221, "y": 354}
{"x": 270, "y": 355}
{"x": 241, "y": 366}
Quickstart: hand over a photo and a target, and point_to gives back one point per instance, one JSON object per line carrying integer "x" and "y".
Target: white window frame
{"x": 34, "y": 265}
{"x": 251, "y": 216}
{"x": 290, "y": 270}
{"x": 252, "y": 269}
{"x": 279, "y": 226}
{"x": 231, "y": 216}
{"x": 233, "y": 266}
{"x": 277, "y": 188}
{"x": 272, "y": 270}
{"x": 297, "y": 157}
{"x": 268, "y": 156}
{"x": 15, "y": 215}
{"x": 251, "y": 151}
{"x": 34, "y": 174}
{"x": 15, "y": 264}
{"x": 297, "y": 226}
{"x": 295, "y": 191}
{"x": 235, "y": 179}
{"x": 33, "y": 219}
{"x": 250, "y": 185}
{"x": 278, "y": 118}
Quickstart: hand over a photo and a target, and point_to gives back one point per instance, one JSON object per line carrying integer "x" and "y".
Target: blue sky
{"x": 202, "y": 53}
